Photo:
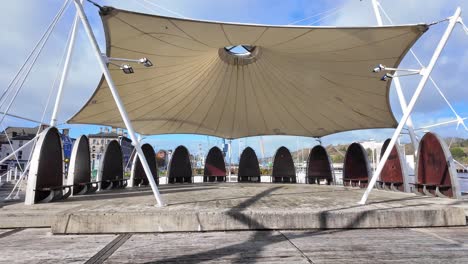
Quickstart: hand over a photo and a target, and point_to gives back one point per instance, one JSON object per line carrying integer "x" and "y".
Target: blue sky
{"x": 25, "y": 20}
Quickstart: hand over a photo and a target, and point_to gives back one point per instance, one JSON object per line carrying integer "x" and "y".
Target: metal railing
{"x": 3, "y": 177}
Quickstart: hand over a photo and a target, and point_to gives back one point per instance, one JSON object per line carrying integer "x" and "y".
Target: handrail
{"x": 3, "y": 175}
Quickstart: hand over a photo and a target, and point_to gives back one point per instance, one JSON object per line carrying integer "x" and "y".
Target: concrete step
{"x": 6, "y": 188}
{"x": 7, "y": 185}
{"x": 229, "y": 207}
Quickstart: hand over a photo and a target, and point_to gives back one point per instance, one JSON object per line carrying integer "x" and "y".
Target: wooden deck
{"x": 415, "y": 245}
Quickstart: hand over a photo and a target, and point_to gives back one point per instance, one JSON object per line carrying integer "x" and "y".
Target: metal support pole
{"x": 132, "y": 172}
{"x": 375, "y": 5}
{"x": 66, "y": 68}
{"x": 398, "y": 88}
{"x": 425, "y": 76}
{"x": 230, "y": 159}
{"x": 20, "y": 117}
{"x": 442, "y": 123}
{"x": 118, "y": 102}
{"x": 132, "y": 169}
{"x": 404, "y": 105}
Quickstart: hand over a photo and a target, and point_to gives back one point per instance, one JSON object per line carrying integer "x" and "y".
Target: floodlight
{"x": 379, "y": 68}
{"x": 386, "y": 77}
{"x": 127, "y": 69}
{"x": 146, "y": 62}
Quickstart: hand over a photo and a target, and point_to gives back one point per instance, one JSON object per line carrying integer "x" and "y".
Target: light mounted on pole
{"x": 388, "y": 76}
{"x": 425, "y": 76}
{"x": 145, "y": 62}
{"x": 127, "y": 68}
{"x": 399, "y": 91}
{"x": 123, "y": 112}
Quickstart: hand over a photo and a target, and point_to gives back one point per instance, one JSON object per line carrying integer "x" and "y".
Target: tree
{"x": 337, "y": 158}
{"x": 458, "y": 153}
{"x": 369, "y": 154}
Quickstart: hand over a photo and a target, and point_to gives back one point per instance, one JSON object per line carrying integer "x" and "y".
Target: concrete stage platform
{"x": 234, "y": 206}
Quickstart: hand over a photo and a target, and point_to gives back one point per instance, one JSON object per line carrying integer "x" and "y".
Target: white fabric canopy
{"x": 308, "y": 81}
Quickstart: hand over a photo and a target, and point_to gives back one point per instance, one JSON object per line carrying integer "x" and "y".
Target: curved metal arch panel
{"x": 180, "y": 168}
{"x": 249, "y": 169}
{"x": 393, "y": 171}
{"x": 435, "y": 165}
{"x": 111, "y": 167}
{"x": 283, "y": 167}
{"x": 79, "y": 170}
{"x": 139, "y": 175}
{"x": 319, "y": 165}
{"x": 215, "y": 167}
{"x": 46, "y": 166}
{"x": 356, "y": 167}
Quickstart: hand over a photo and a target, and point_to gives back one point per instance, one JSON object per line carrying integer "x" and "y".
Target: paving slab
{"x": 39, "y": 245}
{"x": 210, "y": 247}
{"x": 382, "y": 245}
{"x": 233, "y": 206}
{"x": 428, "y": 245}
{"x": 396, "y": 245}
{"x": 5, "y": 230}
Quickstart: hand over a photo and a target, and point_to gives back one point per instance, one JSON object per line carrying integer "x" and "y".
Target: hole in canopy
{"x": 239, "y": 54}
{"x": 240, "y": 50}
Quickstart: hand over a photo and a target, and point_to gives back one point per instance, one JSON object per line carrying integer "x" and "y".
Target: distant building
{"x": 98, "y": 142}
{"x": 372, "y": 145}
{"x": 19, "y": 136}
{"x": 373, "y": 149}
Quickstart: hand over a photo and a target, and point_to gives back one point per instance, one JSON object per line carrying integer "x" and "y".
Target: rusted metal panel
{"x": 356, "y": 168}
{"x": 249, "y": 169}
{"x": 215, "y": 168}
{"x": 392, "y": 171}
{"x": 50, "y": 163}
{"x": 80, "y": 164}
{"x": 111, "y": 164}
{"x": 319, "y": 166}
{"x": 180, "y": 168}
{"x": 435, "y": 166}
{"x": 283, "y": 167}
{"x": 139, "y": 177}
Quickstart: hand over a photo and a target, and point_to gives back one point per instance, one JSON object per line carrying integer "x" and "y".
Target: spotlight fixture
{"x": 386, "y": 77}
{"x": 145, "y": 62}
{"x": 379, "y": 68}
{"x": 127, "y": 69}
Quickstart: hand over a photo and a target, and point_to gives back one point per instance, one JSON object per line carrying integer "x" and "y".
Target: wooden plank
{"x": 417, "y": 245}
{"x": 10, "y": 232}
{"x": 213, "y": 247}
{"x": 382, "y": 245}
{"x": 109, "y": 249}
{"x": 38, "y": 245}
